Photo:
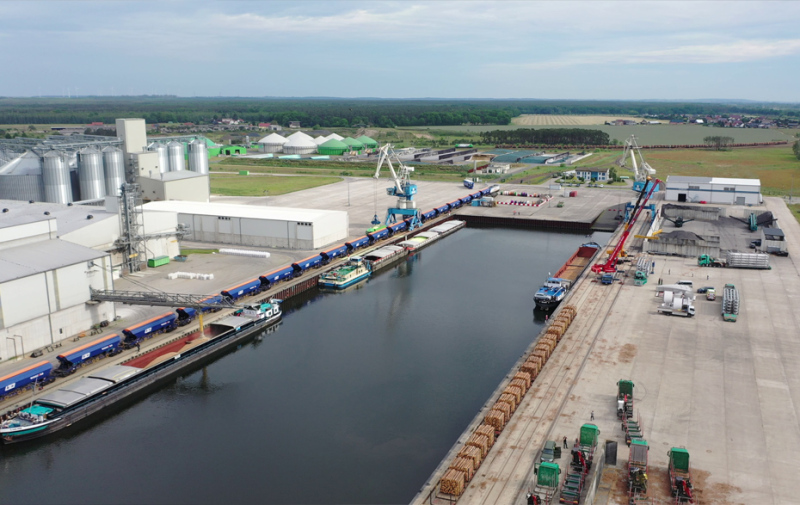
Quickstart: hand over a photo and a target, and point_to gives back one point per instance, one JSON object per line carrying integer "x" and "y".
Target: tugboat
{"x": 551, "y": 293}
{"x": 355, "y": 271}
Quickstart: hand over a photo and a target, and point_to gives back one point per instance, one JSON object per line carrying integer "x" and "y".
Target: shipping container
{"x": 158, "y": 261}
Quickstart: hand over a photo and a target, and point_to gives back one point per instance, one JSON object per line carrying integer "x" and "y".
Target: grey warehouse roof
{"x": 38, "y": 257}
{"x": 241, "y": 211}
{"x": 68, "y": 217}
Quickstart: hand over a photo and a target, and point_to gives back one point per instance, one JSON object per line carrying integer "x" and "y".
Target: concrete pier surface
{"x": 727, "y": 392}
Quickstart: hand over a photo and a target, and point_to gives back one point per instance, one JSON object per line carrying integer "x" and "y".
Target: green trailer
{"x": 157, "y": 261}
{"x": 624, "y": 399}
{"x": 547, "y": 478}
{"x": 680, "y": 475}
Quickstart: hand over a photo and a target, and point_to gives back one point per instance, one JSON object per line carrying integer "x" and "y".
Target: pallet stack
{"x": 463, "y": 467}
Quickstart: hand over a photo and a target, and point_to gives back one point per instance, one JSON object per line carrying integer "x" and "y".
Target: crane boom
{"x": 641, "y": 169}
{"x": 403, "y": 188}
{"x": 610, "y": 266}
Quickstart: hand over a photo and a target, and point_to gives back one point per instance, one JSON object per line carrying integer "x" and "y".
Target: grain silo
{"x": 21, "y": 178}
{"x": 90, "y": 174}
{"x": 56, "y": 177}
{"x": 177, "y": 162}
{"x": 198, "y": 157}
{"x": 163, "y": 156}
{"x": 114, "y": 167}
{"x": 272, "y": 143}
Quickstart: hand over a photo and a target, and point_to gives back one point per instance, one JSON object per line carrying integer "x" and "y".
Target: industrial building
{"x": 278, "y": 227}
{"x": 714, "y": 190}
{"x": 44, "y": 284}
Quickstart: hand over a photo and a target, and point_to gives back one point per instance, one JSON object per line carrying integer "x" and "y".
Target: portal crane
{"x": 641, "y": 169}
{"x": 403, "y": 189}
{"x": 610, "y": 266}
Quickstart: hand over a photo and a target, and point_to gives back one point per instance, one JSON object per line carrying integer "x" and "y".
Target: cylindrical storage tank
{"x": 55, "y": 176}
{"x": 114, "y": 170}
{"x": 198, "y": 157}
{"x": 163, "y": 156}
{"x": 272, "y": 143}
{"x": 21, "y": 178}
{"x": 177, "y": 162}
{"x": 90, "y": 174}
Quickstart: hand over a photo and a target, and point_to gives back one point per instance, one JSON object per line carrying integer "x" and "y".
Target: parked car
{"x": 705, "y": 289}
{"x": 548, "y": 452}
{"x": 755, "y": 243}
{"x": 711, "y": 294}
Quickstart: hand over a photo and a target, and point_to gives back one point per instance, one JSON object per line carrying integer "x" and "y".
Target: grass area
{"x": 566, "y": 121}
{"x": 777, "y": 167}
{"x": 187, "y": 252}
{"x": 257, "y": 185}
{"x": 795, "y": 208}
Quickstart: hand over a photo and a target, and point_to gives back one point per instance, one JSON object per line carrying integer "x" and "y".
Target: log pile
{"x": 463, "y": 467}
{"x": 453, "y": 482}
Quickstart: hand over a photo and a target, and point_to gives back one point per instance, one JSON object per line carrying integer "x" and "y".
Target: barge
{"x": 100, "y": 389}
{"x": 353, "y": 272}
{"x": 555, "y": 288}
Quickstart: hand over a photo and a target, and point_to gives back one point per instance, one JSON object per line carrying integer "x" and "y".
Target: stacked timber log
{"x": 463, "y": 467}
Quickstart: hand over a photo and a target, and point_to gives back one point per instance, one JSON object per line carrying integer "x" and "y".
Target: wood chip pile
{"x": 463, "y": 467}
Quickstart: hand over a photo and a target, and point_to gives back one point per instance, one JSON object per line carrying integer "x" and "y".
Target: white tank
{"x": 177, "y": 162}
{"x": 163, "y": 156}
{"x": 55, "y": 176}
{"x": 90, "y": 174}
{"x": 114, "y": 170}
{"x": 198, "y": 157}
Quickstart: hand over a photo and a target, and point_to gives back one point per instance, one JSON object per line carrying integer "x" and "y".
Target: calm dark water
{"x": 354, "y": 399}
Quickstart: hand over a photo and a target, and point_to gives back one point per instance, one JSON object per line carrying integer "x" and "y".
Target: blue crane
{"x": 403, "y": 189}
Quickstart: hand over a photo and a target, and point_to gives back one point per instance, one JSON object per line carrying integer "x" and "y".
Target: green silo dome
{"x": 334, "y": 147}
{"x": 367, "y": 141}
{"x": 355, "y": 144}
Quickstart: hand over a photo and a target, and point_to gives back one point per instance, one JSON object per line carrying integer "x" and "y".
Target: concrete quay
{"x": 727, "y": 392}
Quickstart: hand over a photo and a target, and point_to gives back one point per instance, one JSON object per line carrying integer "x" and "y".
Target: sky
{"x": 595, "y": 50}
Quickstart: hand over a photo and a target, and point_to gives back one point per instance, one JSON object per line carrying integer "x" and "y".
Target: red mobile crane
{"x": 610, "y": 266}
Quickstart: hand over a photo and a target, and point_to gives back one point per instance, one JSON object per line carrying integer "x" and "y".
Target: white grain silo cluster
{"x": 56, "y": 178}
{"x": 198, "y": 156}
{"x": 163, "y": 156}
{"x": 90, "y": 174}
{"x": 177, "y": 162}
{"x": 114, "y": 167}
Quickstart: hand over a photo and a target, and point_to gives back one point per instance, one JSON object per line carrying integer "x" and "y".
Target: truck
{"x": 469, "y": 183}
{"x": 624, "y": 399}
{"x": 676, "y": 304}
{"x": 736, "y": 260}
{"x": 680, "y": 475}
{"x": 642, "y": 270}
{"x": 773, "y": 241}
{"x": 607, "y": 278}
{"x": 730, "y": 303}
{"x": 547, "y": 477}
{"x": 637, "y": 468}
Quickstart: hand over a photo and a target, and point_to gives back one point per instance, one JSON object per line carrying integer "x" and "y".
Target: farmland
{"x": 574, "y": 120}
{"x": 777, "y": 167}
{"x": 646, "y": 134}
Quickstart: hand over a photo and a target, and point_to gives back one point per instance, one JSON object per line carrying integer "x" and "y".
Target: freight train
{"x": 43, "y": 372}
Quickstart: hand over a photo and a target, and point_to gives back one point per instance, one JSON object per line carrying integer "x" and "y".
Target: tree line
{"x": 341, "y": 112}
{"x": 546, "y": 136}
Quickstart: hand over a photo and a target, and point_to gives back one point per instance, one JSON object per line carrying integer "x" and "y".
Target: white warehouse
{"x": 279, "y": 227}
{"x": 44, "y": 286}
{"x": 717, "y": 190}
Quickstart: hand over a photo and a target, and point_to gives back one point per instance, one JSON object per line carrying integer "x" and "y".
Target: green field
{"x": 261, "y": 185}
{"x": 795, "y": 208}
{"x": 645, "y": 134}
{"x": 777, "y": 167}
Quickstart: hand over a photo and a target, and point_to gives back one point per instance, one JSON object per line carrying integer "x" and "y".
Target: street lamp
{"x": 266, "y": 193}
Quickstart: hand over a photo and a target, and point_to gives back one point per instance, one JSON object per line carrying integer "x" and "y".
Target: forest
{"x": 342, "y": 112}
{"x": 546, "y": 136}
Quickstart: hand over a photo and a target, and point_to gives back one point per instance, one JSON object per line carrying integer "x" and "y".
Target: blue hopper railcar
{"x": 428, "y": 215}
{"x": 358, "y": 243}
{"x": 70, "y": 361}
{"x": 308, "y": 263}
{"x": 250, "y": 287}
{"x": 37, "y": 373}
{"x": 444, "y": 208}
{"x": 378, "y": 235}
{"x": 276, "y": 276}
{"x": 398, "y": 227}
{"x": 330, "y": 254}
{"x": 163, "y": 323}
